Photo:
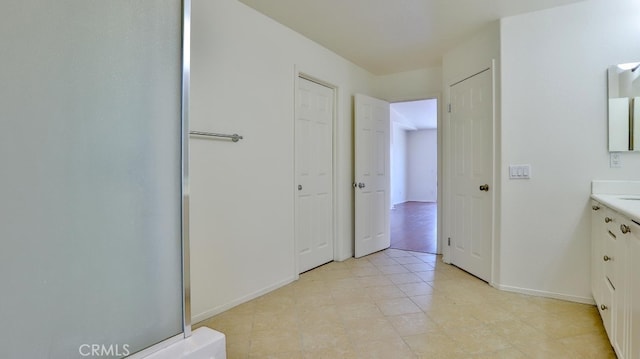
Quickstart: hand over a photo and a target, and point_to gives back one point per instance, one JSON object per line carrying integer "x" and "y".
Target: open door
{"x": 371, "y": 181}
{"x": 471, "y": 143}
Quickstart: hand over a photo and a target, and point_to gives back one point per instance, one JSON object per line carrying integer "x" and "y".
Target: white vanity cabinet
{"x": 634, "y": 290}
{"x": 615, "y": 277}
{"x": 602, "y": 248}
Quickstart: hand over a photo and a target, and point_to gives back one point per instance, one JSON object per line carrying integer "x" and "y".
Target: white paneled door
{"x": 314, "y": 174}
{"x": 471, "y": 150}
{"x": 372, "y": 181}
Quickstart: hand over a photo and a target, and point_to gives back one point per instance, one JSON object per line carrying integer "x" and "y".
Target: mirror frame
{"x": 623, "y": 107}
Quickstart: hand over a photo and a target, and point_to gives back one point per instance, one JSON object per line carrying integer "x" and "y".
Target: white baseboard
{"x": 542, "y": 293}
{"x": 221, "y": 308}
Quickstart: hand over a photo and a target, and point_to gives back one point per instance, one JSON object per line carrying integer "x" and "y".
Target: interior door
{"x": 372, "y": 180}
{"x": 314, "y": 174}
{"x": 471, "y": 149}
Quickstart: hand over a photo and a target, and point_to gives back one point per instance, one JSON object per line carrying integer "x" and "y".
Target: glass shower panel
{"x": 90, "y": 185}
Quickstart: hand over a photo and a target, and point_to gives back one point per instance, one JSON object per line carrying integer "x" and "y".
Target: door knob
{"x": 361, "y": 185}
{"x": 299, "y": 187}
{"x": 484, "y": 187}
{"x": 607, "y": 219}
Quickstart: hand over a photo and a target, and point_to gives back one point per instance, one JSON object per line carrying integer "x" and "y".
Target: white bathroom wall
{"x": 422, "y": 167}
{"x": 554, "y": 117}
{"x": 398, "y": 163}
{"x": 242, "y": 194}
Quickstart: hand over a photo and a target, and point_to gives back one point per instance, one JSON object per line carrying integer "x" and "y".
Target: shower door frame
{"x": 186, "y": 81}
{"x": 184, "y": 126}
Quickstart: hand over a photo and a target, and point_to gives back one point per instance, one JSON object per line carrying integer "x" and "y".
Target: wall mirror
{"x": 624, "y": 107}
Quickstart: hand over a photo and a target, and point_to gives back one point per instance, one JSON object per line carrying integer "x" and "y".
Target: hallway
{"x": 414, "y": 225}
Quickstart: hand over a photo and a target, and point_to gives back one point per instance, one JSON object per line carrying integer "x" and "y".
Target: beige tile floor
{"x": 400, "y": 304}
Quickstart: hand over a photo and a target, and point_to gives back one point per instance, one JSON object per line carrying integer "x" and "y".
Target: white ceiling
{"x": 416, "y": 115}
{"x": 389, "y": 36}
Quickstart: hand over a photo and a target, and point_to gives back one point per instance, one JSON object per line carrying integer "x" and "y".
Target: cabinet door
{"x": 620, "y": 272}
{"x": 611, "y": 234}
{"x": 634, "y": 291}
{"x": 597, "y": 251}
{"x": 606, "y": 308}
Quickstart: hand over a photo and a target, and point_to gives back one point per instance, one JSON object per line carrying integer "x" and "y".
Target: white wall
{"x": 398, "y": 163}
{"x": 242, "y": 203}
{"x": 554, "y": 117}
{"x": 422, "y": 167}
{"x": 410, "y": 85}
{"x": 414, "y": 165}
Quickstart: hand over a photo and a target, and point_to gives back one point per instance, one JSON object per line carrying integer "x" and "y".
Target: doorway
{"x": 414, "y": 175}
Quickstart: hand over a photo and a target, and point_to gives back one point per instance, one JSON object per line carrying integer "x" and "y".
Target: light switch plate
{"x": 614, "y": 160}
{"x": 519, "y": 171}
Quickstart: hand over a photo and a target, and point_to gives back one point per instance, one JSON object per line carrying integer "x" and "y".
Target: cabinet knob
{"x": 603, "y": 307}
{"x": 606, "y": 258}
{"x": 607, "y": 220}
{"x": 595, "y": 208}
{"x": 624, "y": 228}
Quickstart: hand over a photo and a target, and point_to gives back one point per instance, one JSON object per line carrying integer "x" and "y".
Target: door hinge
{"x": 449, "y": 241}
{"x": 449, "y": 108}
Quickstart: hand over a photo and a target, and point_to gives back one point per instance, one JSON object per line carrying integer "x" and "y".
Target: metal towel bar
{"x": 235, "y": 137}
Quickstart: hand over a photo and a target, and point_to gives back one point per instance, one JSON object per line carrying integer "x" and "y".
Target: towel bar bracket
{"x": 235, "y": 137}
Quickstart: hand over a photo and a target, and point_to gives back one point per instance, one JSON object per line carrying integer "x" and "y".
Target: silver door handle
{"x": 361, "y": 185}
{"x": 484, "y": 187}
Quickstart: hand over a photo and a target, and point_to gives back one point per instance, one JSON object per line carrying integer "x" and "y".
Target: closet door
{"x": 314, "y": 174}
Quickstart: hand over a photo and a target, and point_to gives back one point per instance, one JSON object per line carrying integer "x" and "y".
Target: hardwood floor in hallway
{"x": 413, "y": 226}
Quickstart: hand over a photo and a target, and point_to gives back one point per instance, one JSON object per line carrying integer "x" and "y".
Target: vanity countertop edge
{"x": 621, "y": 196}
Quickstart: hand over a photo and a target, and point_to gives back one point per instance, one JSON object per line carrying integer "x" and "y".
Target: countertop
{"x": 629, "y": 205}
